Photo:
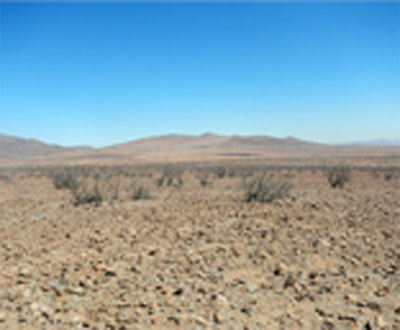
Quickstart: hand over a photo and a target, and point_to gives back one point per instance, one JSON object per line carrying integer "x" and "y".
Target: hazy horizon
{"x": 104, "y": 73}
{"x": 374, "y": 142}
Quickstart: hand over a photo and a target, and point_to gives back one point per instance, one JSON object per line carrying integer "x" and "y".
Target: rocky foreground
{"x": 200, "y": 258}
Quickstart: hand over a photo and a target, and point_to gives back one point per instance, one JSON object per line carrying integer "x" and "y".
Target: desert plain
{"x": 189, "y": 252}
{"x": 207, "y": 232}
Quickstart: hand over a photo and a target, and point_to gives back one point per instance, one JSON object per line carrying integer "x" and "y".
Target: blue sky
{"x": 98, "y": 74}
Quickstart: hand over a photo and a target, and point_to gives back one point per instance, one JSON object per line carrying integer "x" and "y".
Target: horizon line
{"x": 360, "y": 142}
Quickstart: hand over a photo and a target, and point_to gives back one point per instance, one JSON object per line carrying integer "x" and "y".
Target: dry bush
{"x": 5, "y": 177}
{"x": 391, "y": 174}
{"x": 232, "y": 172}
{"x": 109, "y": 188}
{"x": 220, "y": 171}
{"x": 171, "y": 176}
{"x": 338, "y": 176}
{"x": 65, "y": 178}
{"x": 203, "y": 179}
{"x": 265, "y": 189}
{"x": 375, "y": 173}
{"x": 86, "y": 192}
{"x": 139, "y": 191}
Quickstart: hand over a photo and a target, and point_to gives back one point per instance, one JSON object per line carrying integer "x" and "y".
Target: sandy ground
{"x": 200, "y": 258}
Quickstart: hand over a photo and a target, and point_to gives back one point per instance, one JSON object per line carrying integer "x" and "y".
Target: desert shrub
{"x": 391, "y": 174}
{"x": 5, "y": 177}
{"x": 203, "y": 179}
{"x": 86, "y": 193}
{"x": 220, "y": 171}
{"x": 109, "y": 188}
{"x": 265, "y": 189}
{"x": 375, "y": 173}
{"x": 160, "y": 181}
{"x": 232, "y": 173}
{"x": 170, "y": 177}
{"x": 388, "y": 176}
{"x": 129, "y": 174}
{"x": 139, "y": 191}
{"x": 65, "y": 179}
{"x": 338, "y": 176}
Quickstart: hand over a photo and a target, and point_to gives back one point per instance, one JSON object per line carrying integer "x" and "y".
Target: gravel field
{"x": 197, "y": 256}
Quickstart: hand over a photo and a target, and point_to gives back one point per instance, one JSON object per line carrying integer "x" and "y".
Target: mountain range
{"x": 175, "y": 147}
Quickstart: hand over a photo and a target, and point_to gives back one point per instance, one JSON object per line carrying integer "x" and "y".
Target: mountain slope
{"x": 176, "y": 147}
{"x": 208, "y": 146}
{"x": 15, "y": 148}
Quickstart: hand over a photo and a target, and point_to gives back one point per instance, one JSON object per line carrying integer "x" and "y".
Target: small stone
{"x": 2, "y": 316}
{"x": 76, "y": 320}
{"x": 27, "y": 293}
{"x": 245, "y": 310}
{"x": 327, "y": 326}
{"x": 79, "y": 291}
{"x": 350, "y": 318}
{"x": 110, "y": 273}
{"x": 174, "y": 319}
{"x": 351, "y": 298}
{"x": 201, "y": 321}
{"x": 217, "y": 318}
{"x": 219, "y": 301}
{"x": 367, "y": 326}
{"x": 12, "y": 294}
{"x": 40, "y": 309}
{"x": 279, "y": 269}
{"x": 251, "y": 287}
{"x": 289, "y": 282}
{"x": 57, "y": 286}
{"x": 178, "y": 292}
{"x": 374, "y": 306}
{"x": 380, "y": 322}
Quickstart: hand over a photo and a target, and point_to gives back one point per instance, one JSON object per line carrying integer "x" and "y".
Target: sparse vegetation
{"x": 220, "y": 171}
{"x": 171, "y": 176}
{"x": 86, "y": 193}
{"x": 139, "y": 191}
{"x": 391, "y": 174}
{"x": 65, "y": 178}
{"x": 338, "y": 176}
{"x": 213, "y": 230}
{"x": 5, "y": 177}
{"x": 203, "y": 179}
{"x": 265, "y": 189}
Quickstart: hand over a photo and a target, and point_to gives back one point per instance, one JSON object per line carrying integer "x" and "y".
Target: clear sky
{"x": 98, "y": 74}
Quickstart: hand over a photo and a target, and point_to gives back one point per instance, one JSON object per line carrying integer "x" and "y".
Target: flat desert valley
{"x": 204, "y": 232}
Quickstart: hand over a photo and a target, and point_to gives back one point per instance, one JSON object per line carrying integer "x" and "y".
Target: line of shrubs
{"x": 95, "y": 184}
{"x": 96, "y": 188}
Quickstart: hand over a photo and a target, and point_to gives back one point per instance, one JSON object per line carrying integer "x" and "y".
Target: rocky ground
{"x": 200, "y": 258}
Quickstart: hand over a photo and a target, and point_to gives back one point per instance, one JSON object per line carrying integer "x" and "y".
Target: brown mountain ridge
{"x": 176, "y": 147}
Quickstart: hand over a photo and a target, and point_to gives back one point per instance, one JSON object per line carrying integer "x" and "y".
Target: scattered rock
{"x": 219, "y": 301}
{"x": 380, "y": 322}
{"x": 217, "y": 318}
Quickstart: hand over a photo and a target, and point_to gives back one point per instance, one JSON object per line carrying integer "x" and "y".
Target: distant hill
{"x": 378, "y": 142}
{"x": 209, "y": 145}
{"x": 15, "y": 148}
{"x": 175, "y": 147}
